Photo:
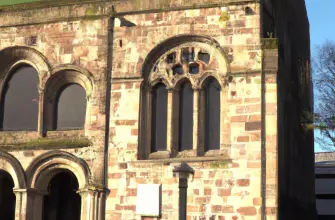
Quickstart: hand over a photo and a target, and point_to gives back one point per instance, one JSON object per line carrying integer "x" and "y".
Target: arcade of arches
{"x": 54, "y": 187}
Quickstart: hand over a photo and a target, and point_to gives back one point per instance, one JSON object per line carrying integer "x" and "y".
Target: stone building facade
{"x": 222, "y": 85}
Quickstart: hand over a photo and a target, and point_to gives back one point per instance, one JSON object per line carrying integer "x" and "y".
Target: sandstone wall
{"x": 227, "y": 186}
{"x": 64, "y": 45}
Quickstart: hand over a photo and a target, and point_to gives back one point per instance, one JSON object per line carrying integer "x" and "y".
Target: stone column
{"x": 169, "y": 121}
{"x": 29, "y": 204}
{"x": 40, "y": 128}
{"x": 93, "y": 203}
{"x": 195, "y": 120}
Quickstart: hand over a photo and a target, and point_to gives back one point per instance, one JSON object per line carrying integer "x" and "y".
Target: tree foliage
{"x": 324, "y": 83}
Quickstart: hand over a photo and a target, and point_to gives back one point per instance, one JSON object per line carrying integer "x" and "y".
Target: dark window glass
{"x": 194, "y": 68}
{"x": 7, "y": 197}
{"x": 63, "y": 202}
{"x": 159, "y": 118}
{"x": 187, "y": 55}
{"x": 186, "y": 117}
{"x": 71, "y": 108}
{"x": 20, "y": 101}
{"x": 205, "y": 57}
{"x": 177, "y": 69}
{"x": 212, "y": 114}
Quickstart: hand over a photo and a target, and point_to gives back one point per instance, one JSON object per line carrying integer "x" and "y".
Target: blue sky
{"x": 321, "y": 17}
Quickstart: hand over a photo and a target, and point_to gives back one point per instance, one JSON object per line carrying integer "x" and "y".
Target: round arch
{"x": 46, "y": 166}
{"x": 175, "y": 41}
{"x": 13, "y": 57}
{"x": 66, "y": 74}
{"x": 12, "y": 166}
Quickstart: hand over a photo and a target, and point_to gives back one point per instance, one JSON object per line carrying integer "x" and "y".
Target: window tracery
{"x": 193, "y": 75}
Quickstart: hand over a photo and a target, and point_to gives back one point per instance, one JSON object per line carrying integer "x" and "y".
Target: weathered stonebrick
{"x": 243, "y": 182}
{"x": 247, "y": 210}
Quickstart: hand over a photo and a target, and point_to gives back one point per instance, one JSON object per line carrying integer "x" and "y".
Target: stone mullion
{"x": 40, "y": 126}
{"x": 148, "y": 124}
{"x": 175, "y": 123}
{"x": 201, "y": 124}
{"x": 195, "y": 119}
{"x": 169, "y": 138}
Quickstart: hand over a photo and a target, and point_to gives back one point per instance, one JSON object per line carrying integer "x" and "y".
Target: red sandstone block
{"x": 112, "y": 193}
{"x": 252, "y": 126}
{"x": 131, "y": 192}
{"x": 116, "y": 86}
{"x": 249, "y": 210}
{"x": 208, "y": 182}
{"x": 243, "y": 139}
{"x": 144, "y": 173}
{"x": 192, "y": 208}
{"x": 240, "y": 118}
{"x": 271, "y": 210}
{"x": 196, "y": 192}
{"x": 129, "y": 85}
{"x": 257, "y": 201}
{"x": 197, "y": 174}
{"x": 224, "y": 192}
{"x": 129, "y": 207}
{"x": 134, "y": 132}
{"x": 254, "y": 164}
{"x": 168, "y": 192}
{"x": 235, "y": 165}
{"x": 114, "y": 175}
{"x": 207, "y": 192}
{"x": 218, "y": 183}
{"x": 243, "y": 182}
{"x": 200, "y": 200}
{"x": 227, "y": 209}
{"x": 125, "y": 122}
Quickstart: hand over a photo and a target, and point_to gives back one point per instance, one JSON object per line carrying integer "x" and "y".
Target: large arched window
{"x": 7, "y": 197}
{"x": 62, "y": 201}
{"x": 70, "y": 108}
{"x": 20, "y": 99}
{"x": 185, "y": 117}
{"x": 159, "y": 118}
{"x": 212, "y": 90}
{"x": 187, "y": 120}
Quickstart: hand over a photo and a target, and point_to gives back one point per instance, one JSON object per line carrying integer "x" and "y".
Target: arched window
{"x": 212, "y": 92}
{"x": 62, "y": 201}
{"x": 20, "y": 100}
{"x": 186, "y": 117}
{"x": 186, "y": 120}
{"x": 159, "y": 118}
{"x": 70, "y": 107}
{"x": 7, "y": 197}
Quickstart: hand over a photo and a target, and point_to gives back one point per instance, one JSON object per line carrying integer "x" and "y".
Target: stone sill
{"x": 168, "y": 161}
{"x": 25, "y": 140}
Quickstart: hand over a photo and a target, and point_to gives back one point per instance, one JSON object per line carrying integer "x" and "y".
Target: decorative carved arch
{"x": 191, "y": 57}
{"x": 66, "y": 74}
{"x": 13, "y": 57}
{"x": 46, "y": 166}
{"x": 176, "y": 41}
{"x": 12, "y": 166}
{"x": 204, "y": 79}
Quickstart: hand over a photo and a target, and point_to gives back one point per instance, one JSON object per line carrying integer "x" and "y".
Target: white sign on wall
{"x": 148, "y": 200}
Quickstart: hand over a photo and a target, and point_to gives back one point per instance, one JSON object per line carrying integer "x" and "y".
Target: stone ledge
{"x": 47, "y": 144}
{"x": 168, "y": 161}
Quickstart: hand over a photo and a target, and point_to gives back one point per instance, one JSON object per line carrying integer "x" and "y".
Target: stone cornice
{"x": 59, "y": 11}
